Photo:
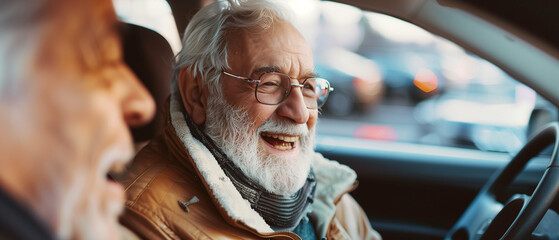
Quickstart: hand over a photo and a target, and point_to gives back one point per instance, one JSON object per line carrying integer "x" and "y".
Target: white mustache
{"x": 283, "y": 127}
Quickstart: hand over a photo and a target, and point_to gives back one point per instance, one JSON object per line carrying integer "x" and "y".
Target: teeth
{"x": 284, "y": 138}
{"x": 292, "y": 139}
{"x": 284, "y": 147}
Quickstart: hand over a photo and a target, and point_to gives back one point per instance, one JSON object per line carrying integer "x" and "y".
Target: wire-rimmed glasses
{"x": 273, "y": 88}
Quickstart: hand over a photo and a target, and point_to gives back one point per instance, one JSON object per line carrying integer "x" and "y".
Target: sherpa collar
{"x": 333, "y": 180}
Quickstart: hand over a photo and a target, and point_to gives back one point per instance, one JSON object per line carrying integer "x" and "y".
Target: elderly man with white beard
{"x": 236, "y": 158}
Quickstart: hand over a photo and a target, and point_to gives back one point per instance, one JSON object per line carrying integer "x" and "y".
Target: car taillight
{"x": 426, "y": 80}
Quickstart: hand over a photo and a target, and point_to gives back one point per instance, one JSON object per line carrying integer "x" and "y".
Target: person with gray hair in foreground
{"x": 236, "y": 158}
{"x": 67, "y": 101}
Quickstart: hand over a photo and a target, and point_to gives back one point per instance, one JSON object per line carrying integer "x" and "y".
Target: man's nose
{"x": 138, "y": 107}
{"x": 294, "y": 107}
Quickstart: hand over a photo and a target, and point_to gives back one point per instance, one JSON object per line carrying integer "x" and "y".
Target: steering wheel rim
{"x": 522, "y": 213}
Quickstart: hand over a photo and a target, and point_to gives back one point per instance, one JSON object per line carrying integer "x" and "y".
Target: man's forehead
{"x": 279, "y": 34}
{"x": 83, "y": 14}
{"x": 81, "y": 35}
{"x": 98, "y": 13}
{"x": 64, "y": 8}
{"x": 279, "y": 48}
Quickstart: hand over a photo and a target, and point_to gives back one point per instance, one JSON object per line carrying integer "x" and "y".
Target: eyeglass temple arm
{"x": 242, "y": 78}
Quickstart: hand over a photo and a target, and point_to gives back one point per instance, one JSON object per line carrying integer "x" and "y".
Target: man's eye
{"x": 270, "y": 84}
{"x": 309, "y": 86}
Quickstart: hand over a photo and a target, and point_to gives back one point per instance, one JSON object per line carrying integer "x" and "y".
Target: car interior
{"x": 150, "y": 57}
{"x": 412, "y": 190}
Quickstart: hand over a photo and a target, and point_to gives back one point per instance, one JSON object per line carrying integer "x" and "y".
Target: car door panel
{"x": 413, "y": 191}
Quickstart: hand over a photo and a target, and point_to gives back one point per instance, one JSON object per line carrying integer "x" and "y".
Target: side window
{"x": 395, "y": 81}
{"x": 153, "y": 14}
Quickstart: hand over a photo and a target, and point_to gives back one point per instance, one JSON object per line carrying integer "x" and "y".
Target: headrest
{"x": 151, "y": 58}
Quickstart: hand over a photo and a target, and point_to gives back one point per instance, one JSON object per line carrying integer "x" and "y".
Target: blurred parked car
{"x": 409, "y": 75}
{"x": 409, "y": 58}
{"x": 356, "y": 80}
{"x": 488, "y": 116}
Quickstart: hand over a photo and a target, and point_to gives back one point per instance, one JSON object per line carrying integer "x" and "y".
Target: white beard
{"x": 231, "y": 129}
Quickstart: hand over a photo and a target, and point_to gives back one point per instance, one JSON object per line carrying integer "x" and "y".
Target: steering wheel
{"x": 486, "y": 218}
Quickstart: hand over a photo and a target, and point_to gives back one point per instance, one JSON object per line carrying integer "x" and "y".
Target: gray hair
{"x": 204, "y": 43}
{"x": 19, "y": 28}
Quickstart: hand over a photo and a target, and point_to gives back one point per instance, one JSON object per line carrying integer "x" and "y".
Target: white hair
{"x": 204, "y": 43}
{"x": 19, "y": 27}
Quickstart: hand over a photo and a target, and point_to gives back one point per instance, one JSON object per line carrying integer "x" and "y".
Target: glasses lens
{"x": 273, "y": 88}
{"x": 315, "y": 91}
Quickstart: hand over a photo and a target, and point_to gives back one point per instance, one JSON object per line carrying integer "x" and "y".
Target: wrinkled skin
{"x": 68, "y": 125}
{"x": 282, "y": 48}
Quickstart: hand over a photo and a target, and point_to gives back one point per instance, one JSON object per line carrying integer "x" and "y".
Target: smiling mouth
{"x": 280, "y": 141}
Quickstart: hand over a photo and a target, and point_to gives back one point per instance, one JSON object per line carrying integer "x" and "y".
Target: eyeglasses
{"x": 273, "y": 88}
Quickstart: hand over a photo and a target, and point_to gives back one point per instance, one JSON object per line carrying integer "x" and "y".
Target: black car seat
{"x": 151, "y": 58}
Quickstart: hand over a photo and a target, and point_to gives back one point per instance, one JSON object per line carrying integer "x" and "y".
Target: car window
{"x": 394, "y": 81}
{"x": 153, "y": 14}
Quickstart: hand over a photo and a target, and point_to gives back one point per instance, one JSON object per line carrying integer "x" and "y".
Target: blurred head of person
{"x": 67, "y": 101}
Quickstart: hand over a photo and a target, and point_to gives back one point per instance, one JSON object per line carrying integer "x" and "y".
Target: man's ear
{"x": 194, "y": 95}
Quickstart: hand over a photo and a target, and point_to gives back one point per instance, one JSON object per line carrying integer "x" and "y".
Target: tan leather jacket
{"x": 164, "y": 172}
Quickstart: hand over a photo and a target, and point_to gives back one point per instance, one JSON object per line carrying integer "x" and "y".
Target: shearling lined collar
{"x": 333, "y": 180}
